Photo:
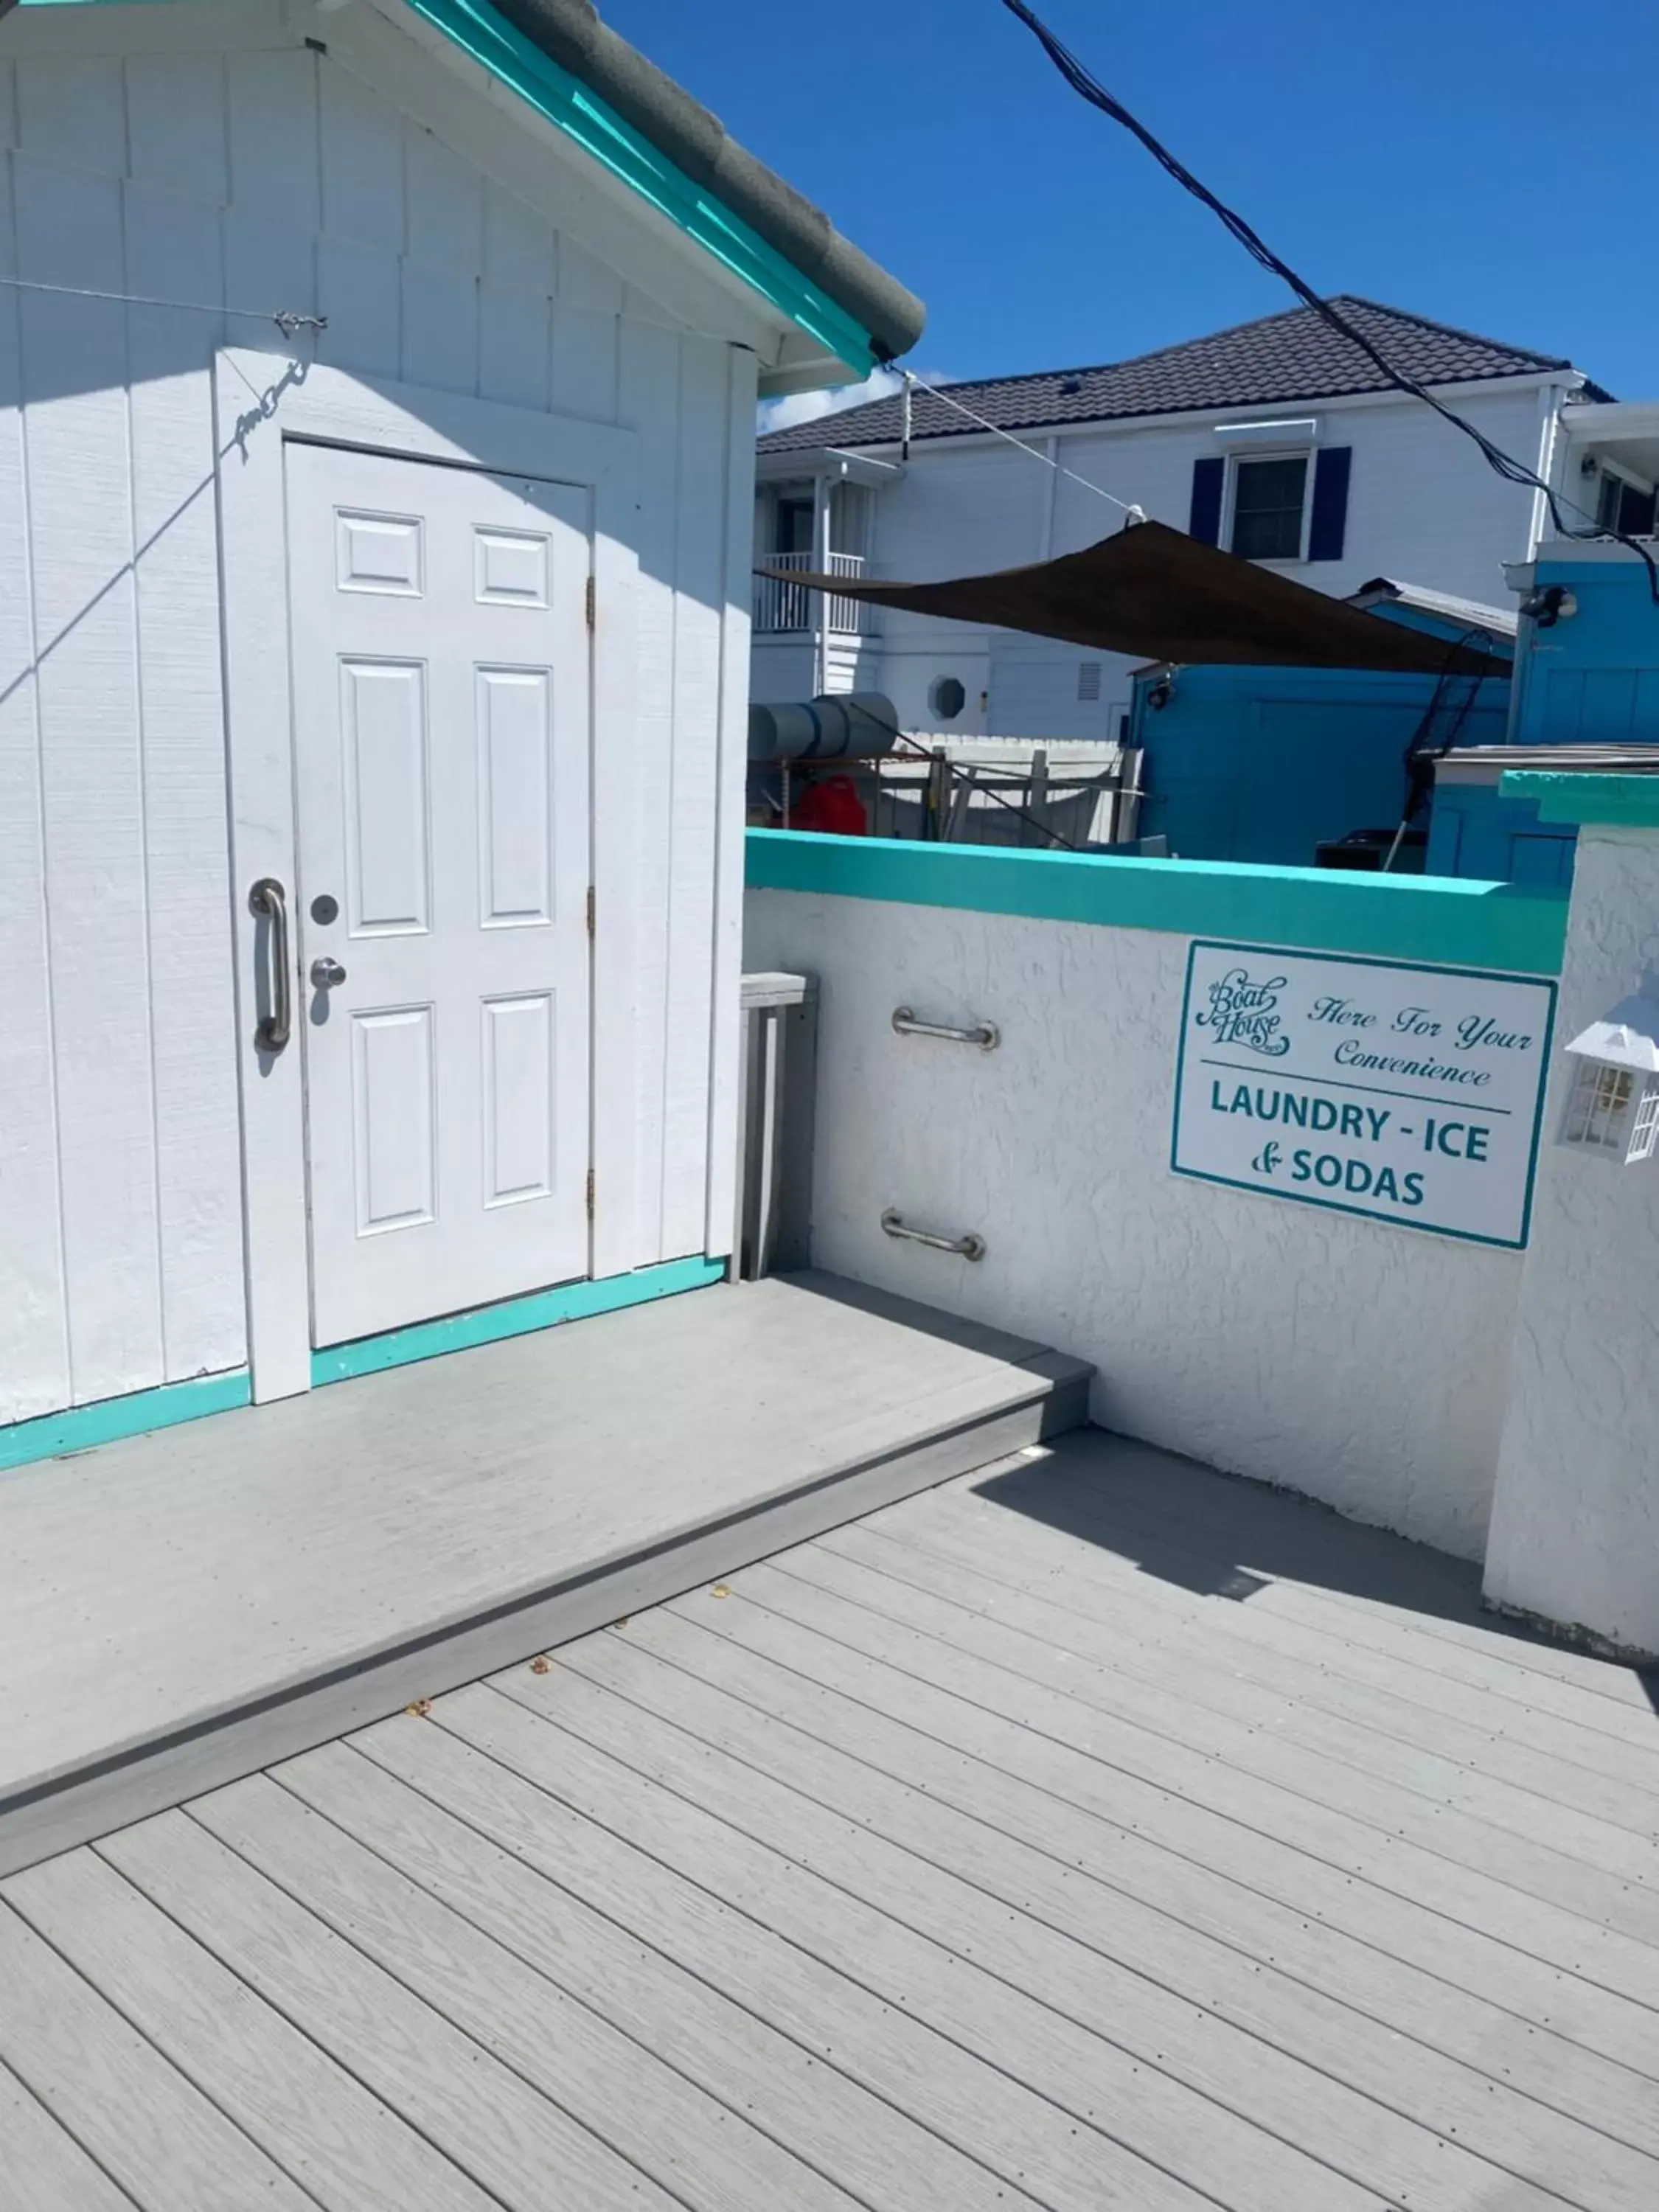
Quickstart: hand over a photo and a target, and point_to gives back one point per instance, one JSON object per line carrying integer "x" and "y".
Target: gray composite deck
{"x": 1091, "y": 1830}
{"x": 183, "y": 1608}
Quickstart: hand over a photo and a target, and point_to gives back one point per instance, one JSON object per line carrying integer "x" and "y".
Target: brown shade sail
{"x": 1156, "y": 595}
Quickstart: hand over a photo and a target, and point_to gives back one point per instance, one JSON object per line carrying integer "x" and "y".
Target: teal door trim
{"x": 430, "y": 1339}
{"x": 82, "y": 1428}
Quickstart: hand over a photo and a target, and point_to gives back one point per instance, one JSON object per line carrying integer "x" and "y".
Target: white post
{"x": 1575, "y": 1513}
{"x": 821, "y": 562}
{"x": 1539, "y": 526}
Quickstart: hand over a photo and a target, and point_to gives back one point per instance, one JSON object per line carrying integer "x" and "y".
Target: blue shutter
{"x": 1205, "y": 520}
{"x": 1328, "y": 525}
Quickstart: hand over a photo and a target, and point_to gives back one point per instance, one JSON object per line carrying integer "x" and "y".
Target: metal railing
{"x": 782, "y": 605}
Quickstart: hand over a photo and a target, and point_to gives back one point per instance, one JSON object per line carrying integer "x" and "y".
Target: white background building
{"x": 1276, "y": 439}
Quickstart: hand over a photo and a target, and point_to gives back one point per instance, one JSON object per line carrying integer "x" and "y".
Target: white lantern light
{"x": 1613, "y": 1108}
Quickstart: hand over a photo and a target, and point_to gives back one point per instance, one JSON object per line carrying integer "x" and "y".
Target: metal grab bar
{"x": 970, "y": 1247}
{"x": 986, "y": 1035}
{"x": 270, "y": 902}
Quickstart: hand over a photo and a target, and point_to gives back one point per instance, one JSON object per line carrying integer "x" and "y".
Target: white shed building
{"x": 377, "y": 390}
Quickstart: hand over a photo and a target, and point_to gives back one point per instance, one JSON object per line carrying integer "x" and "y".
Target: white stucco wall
{"x": 1358, "y": 1362}
{"x": 1575, "y": 1532}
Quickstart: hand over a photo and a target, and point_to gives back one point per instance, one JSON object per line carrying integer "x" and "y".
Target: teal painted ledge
{"x": 1440, "y": 920}
{"x": 83, "y": 1427}
{"x": 1627, "y": 802}
{"x": 429, "y": 1339}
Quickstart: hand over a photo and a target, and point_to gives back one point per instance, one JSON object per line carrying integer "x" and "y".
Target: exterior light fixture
{"x": 1553, "y": 604}
{"x": 1613, "y": 1108}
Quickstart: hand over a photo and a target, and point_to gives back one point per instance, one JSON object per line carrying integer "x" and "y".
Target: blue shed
{"x": 1268, "y": 764}
{"x": 1586, "y": 698}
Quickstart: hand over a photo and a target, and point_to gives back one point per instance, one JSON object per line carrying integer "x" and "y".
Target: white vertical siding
{"x": 34, "y": 1346}
{"x": 259, "y": 180}
{"x": 173, "y": 251}
{"x": 699, "y": 609}
{"x": 649, "y": 402}
{"x": 69, "y": 231}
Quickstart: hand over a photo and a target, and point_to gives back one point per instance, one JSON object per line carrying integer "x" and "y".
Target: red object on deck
{"x": 832, "y": 806}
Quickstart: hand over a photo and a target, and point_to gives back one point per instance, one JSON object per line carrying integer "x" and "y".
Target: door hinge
{"x": 591, "y": 603}
{"x": 590, "y": 1183}
{"x": 592, "y": 905}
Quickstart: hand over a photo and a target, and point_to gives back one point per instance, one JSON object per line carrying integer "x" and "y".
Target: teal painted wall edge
{"x": 565, "y": 101}
{"x": 429, "y": 1339}
{"x": 1630, "y": 802}
{"x": 81, "y": 1427}
{"x": 1443, "y": 919}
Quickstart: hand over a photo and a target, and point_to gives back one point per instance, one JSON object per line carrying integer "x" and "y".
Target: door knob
{"x": 326, "y": 973}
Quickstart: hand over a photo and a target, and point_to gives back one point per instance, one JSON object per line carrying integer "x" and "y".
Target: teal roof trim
{"x": 1629, "y": 802}
{"x": 563, "y": 101}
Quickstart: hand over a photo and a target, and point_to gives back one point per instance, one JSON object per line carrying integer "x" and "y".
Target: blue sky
{"x": 1488, "y": 163}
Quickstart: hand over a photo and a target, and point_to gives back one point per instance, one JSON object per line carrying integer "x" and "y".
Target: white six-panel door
{"x": 439, "y": 655}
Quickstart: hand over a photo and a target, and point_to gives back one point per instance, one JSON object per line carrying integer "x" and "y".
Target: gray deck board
{"x": 872, "y": 2149}
{"x": 311, "y": 2119}
{"x": 380, "y": 1509}
{"x": 1518, "y": 1835}
{"x": 1309, "y": 2071}
{"x": 704, "y": 1813}
{"x": 276, "y": 1576}
{"x": 1154, "y": 1894}
{"x": 1298, "y": 1812}
{"x": 1326, "y": 1672}
{"x": 985, "y": 2112}
{"x": 1284, "y": 1868}
{"x": 701, "y": 2152}
{"x": 1431, "y": 1599}
{"x": 59, "y": 2172}
{"x": 170, "y": 2148}
{"x": 510, "y": 2139}
{"x": 1050, "y": 1839}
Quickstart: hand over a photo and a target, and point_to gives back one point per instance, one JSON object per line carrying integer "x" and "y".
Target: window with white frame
{"x": 1269, "y": 507}
{"x": 1596, "y": 1107}
{"x": 1644, "y": 1130}
{"x": 1623, "y": 506}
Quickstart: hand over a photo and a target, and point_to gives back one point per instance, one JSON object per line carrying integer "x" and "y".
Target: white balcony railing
{"x": 780, "y": 605}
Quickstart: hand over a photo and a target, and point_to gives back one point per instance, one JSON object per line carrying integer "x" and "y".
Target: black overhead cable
{"x": 1088, "y": 88}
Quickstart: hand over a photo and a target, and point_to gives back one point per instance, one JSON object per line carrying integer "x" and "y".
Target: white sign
{"x": 1410, "y": 1094}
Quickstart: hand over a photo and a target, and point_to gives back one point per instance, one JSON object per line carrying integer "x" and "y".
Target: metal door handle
{"x": 325, "y": 973}
{"x": 269, "y": 901}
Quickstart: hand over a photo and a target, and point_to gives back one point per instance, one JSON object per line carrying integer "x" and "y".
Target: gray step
{"x": 180, "y": 1609}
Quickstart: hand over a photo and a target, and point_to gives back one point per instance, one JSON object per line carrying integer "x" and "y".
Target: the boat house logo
{"x": 1243, "y": 1012}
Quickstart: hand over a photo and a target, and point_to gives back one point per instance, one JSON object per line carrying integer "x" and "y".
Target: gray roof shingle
{"x": 1281, "y": 358}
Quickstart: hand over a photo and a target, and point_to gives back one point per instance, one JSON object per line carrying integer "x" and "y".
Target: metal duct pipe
{"x": 845, "y": 726}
